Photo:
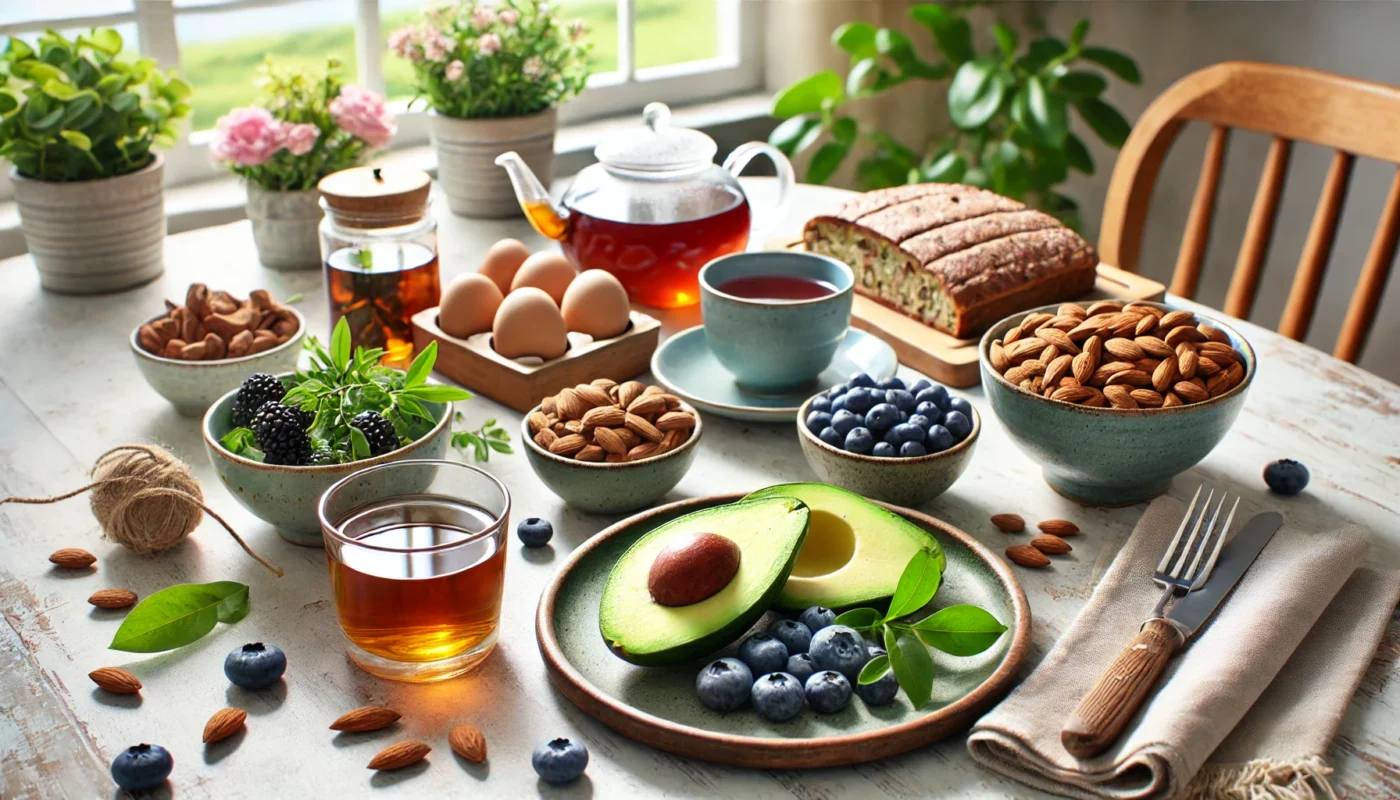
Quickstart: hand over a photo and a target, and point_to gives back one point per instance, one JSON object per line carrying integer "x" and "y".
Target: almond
{"x": 1166, "y": 374}
{"x": 1051, "y": 545}
{"x": 1185, "y": 333}
{"x": 1009, "y": 523}
{"x": 628, "y": 392}
{"x": 998, "y": 357}
{"x": 365, "y": 718}
{"x": 1187, "y": 362}
{"x": 1146, "y": 324}
{"x": 545, "y": 438}
{"x": 1071, "y": 310}
{"x": 1207, "y": 366}
{"x": 1154, "y": 346}
{"x": 1059, "y": 339}
{"x": 538, "y": 421}
{"x": 398, "y": 756}
{"x": 1023, "y": 349}
{"x": 675, "y": 420}
{"x": 1027, "y": 556}
{"x": 1220, "y": 353}
{"x": 547, "y": 405}
{"x": 115, "y": 680}
{"x": 1120, "y": 396}
{"x": 1058, "y": 527}
{"x": 1170, "y": 399}
{"x": 1012, "y": 336}
{"x": 1213, "y": 334}
{"x": 113, "y": 598}
{"x": 567, "y": 445}
{"x": 643, "y": 428}
{"x": 1130, "y": 377}
{"x": 1173, "y": 319}
{"x": 1034, "y": 321}
{"x": 1124, "y": 349}
{"x": 1088, "y": 328}
{"x": 568, "y": 405}
{"x": 647, "y": 405}
{"x": 591, "y": 453}
{"x": 1103, "y": 306}
{"x": 1072, "y": 394}
{"x": 73, "y": 558}
{"x": 1058, "y": 369}
{"x": 224, "y": 723}
{"x": 609, "y": 440}
{"x": 1083, "y": 366}
{"x": 468, "y": 742}
{"x": 1190, "y": 392}
{"x": 1147, "y": 397}
{"x": 592, "y": 395}
{"x": 608, "y": 416}
{"x": 645, "y": 450}
{"x": 603, "y": 383}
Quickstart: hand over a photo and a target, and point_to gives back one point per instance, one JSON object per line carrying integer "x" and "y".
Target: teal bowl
{"x": 1112, "y": 456}
{"x": 286, "y": 497}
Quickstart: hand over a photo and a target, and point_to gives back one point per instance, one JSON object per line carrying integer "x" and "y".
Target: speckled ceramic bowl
{"x": 902, "y": 481}
{"x": 193, "y": 386}
{"x": 1112, "y": 456}
{"x": 286, "y": 497}
{"x": 603, "y": 488}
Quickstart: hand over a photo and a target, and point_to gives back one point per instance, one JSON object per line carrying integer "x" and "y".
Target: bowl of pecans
{"x": 1114, "y": 399}
{"x": 611, "y": 448}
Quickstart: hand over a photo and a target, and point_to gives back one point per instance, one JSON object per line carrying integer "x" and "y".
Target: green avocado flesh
{"x": 638, "y": 629}
{"x": 855, "y": 550}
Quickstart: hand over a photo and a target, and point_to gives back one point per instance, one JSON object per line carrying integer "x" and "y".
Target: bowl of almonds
{"x": 1114, "y": 399}
{"x": 611, "y": 448}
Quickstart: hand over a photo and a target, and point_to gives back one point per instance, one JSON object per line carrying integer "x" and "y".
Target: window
{"x": 677, "y": 51}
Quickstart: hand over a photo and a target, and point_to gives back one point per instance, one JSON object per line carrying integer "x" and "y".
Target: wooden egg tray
{"x": 481, "y": 369}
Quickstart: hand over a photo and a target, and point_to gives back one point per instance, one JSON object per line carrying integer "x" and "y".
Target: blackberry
{"x": 379, "y": 432}
{"x": 259, "y": 388}
{"x": 280, "y": 435}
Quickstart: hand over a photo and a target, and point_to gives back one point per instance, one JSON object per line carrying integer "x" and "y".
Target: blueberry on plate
{"x": 778, "y": 697}
{"x": 920, "y": 385}
{"x": 881, "y": 418}
{"x": 142, "y": 766}
{"x": 816, "y": 618}
{"x": 763, "y": 654}
{"x": 821, "y": 403}
{"x": 838, "y": 404}
{"x": 534, "y": 532}
{"x": 793, "y": 634}
{"x": 817, "y": 420}
{"x": 831, "y": 437}
{"x": 844, "y": 421}
{"x": 929, "y": 409}
{"x": 1286, "y": 477}
{"x": 957, "y": 424}
{"x": 801, "y": 666}
{"x": 908, "y": 432}
{"x": 860, "y": 379}
{"x": 881, "y": 692}
{"x": 922, "y": 421}
{"x": 559, "y": 760}
{"x": 839, "y": 648}
{"x": 938, "y": 439}
{"x": 912, "y": 450}
{"x": 724, "y": 685}
{"x": 901, "y": 399}
{"x": 828, "y": 692}
{"x": 890, "y": 383}
{"x": 859, "y": 400}
{"x": 935, "y": 394}
{"x": 884, "y": 450}
{"x": 255, "y": 666}
{"x": 959, "y": 404}
{"x": 860, "y": 441}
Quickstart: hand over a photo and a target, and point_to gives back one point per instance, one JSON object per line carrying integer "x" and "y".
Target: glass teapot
{"x": 654, "y": 210}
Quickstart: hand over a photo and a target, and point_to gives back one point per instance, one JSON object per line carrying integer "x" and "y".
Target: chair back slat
{"x": 1307, "y": 281}
{"x": 1197, "y": 236}
{"x": 1259, "y": 230}
{"x": 1371, "y": 285}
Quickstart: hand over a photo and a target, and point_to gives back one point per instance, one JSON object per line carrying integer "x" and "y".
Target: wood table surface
{"x": 70, "y": 390}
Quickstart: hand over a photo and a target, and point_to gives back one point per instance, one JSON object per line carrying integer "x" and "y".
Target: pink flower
{"x": 402, "y": 41}
{"x": 364, "y": 114}
{"x": 247, "y": 137}
{"x": 489, "y": 44}
{"x": 301, "y": 138}
{"x": 509, "y": 17}
{"x": 455, "y": 70}
{"x": 436, "y": 45}
{"x": 533, "y": 67}
{"x": 577, "y": 30}
{"x": 482, "y": 16}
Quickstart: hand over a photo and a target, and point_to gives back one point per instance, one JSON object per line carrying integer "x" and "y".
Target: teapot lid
{"x": 658, "y": 147}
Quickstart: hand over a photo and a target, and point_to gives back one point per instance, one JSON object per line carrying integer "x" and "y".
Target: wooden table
{"x": 69, "y": 390}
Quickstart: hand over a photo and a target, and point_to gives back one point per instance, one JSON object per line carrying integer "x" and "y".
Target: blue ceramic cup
{"x": 775, "y": 345}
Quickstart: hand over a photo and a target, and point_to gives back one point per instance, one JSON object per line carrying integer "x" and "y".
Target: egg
{"x": 528, "y": 323}
{"x": 503, "y": 260}
{"x": 546, "y": 270}
{"x": 468, "y": 305}
{"x": 596, "y": 304}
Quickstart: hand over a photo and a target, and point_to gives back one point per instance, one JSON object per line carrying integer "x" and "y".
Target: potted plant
{"x": 305, "y": 126}
{"x": 77, "y": 122}
{"x": 493, "y": 75}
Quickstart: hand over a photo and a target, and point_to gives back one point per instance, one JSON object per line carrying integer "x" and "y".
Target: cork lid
{"x": 376, "y": 197}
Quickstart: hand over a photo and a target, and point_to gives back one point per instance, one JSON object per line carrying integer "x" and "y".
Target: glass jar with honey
{"x": 379, "y": 245}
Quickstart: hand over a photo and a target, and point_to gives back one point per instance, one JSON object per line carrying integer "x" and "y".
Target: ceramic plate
{"x": 685, "y": 365}
{"x": 658, "y": 706}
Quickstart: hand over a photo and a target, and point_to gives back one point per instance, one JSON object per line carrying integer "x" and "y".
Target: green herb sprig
{"x": 181, "y": 614}
{"x": 483, "y": 440}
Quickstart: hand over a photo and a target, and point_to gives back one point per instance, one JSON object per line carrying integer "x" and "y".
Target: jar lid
{"x": 376, "y": 197}
{"x": 658, "y": 147}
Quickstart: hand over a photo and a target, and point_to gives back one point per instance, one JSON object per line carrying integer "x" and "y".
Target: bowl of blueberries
{"x": 904, "y": 444}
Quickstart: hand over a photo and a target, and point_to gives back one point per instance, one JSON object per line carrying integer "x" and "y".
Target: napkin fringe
{"x": 1264, "y": 779}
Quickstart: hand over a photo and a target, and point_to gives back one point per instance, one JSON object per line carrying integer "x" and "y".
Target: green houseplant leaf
{"x": 856, "y": 38}
{"x": 1118, "y": 63}
{"x": 961, "y": 630}
{"x": 1106, "y": 121}
{"x": 977, "y": 92}
{"x": 809, "y": 95}
{"x": 179, "y": 615}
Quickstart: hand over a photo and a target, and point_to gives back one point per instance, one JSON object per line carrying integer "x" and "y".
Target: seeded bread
{"x": 955, "y": 257}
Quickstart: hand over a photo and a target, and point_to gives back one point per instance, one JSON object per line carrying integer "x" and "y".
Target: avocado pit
{"x": 692, "y": 568}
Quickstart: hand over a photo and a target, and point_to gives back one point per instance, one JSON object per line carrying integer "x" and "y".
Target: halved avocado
{"x": 640, "y": 630}
{"x": 855, "y": 550}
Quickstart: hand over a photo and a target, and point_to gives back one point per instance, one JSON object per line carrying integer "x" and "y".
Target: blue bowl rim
{"x": 807, "y": 434}
{"x": 573, "y": 462}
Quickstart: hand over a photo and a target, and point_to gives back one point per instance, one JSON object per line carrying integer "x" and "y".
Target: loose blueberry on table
{"x": 142, "y": 766}
{"x": 1286, "y": 477}
{"x": 889, "y": 419}
{"x": 255, "y": 666}
{"x": 535, "y": 532}
{"x": 559, "y": 760}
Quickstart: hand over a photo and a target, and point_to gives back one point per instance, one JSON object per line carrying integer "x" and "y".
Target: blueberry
{"x": 861, "y": 379}
{"x": 142, "y": 766}
{"x": 724, "y": 685}
{"x": 839, "y": 648}
{"x": 884, "y": 450}
{"x": 920, "y": 385}
{"x": 535, "y": 532}
{"x": 860, "y": 441}
{"x": 882, "y": 417}
{"x": 831, "y": 437}
{"x": 801, "y": 667}
{"x": 881, "y": 692}
{"x": 874, "y": 650}
{"x": 912, "y": 450}
{"x": 890, "y": 439}
{"x": 763, "y": 654}
{"x": 843, "y": 421}
{"x": 778, "y": 697}
{"x": 820, "y": 403}
{"x": 934, "y": 394}
{"x": 1286, "y": 477}
{"x": 959, "y": 404}
{"x": 838, "y": 390}
{"x": 818, "y": 420}
{"x": 255, "y": 666}
{"x": 907, "y": 432}
{"x": 559, "y": 760}
{"x": 828, "y": 692}
{"x": 859, "y": 400}
{"x": 957, "y": 424}
{"x": 938, "y": 439}
{"x": 794, "y": 635}
{"x": 890, "y": 383}
{"x": 816, "y": 618}
{"x": 838, "y": 404}
{"x": 929, "y": 409}
{"x": 904, "y": 416}
{"x": 901, "y": 399}
{"x": 922, "y": 421}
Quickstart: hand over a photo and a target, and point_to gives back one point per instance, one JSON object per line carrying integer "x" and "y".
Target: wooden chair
{"x": 1356, "y": 117}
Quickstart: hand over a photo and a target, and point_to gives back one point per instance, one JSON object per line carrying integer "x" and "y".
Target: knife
{"x": 1101, "y": 716}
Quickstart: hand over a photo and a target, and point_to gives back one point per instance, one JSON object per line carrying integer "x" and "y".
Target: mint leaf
{"x": 913, "y": 667}
{"x": 340, "y": 345}
{"x": 238, "y": 440}
{"x": 359, "y": 445}
{"x": 179, "y": 615}
{"x": 438, "y": 394}
{"x": 874, "y": 670}
{"x": 962, "y": 630}
{"x": 917, "y": 585}
{"x": 858, "y": 618}
{"x": 421, "y": 367}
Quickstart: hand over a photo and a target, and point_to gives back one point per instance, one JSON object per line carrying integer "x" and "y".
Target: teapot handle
{"x": 735, "y": 164}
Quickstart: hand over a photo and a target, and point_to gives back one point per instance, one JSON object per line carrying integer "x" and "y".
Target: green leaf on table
{"x": 1118, "y": 63}
{"x": 340, "y": 345}
{"x": 917, "y": 585}
{"x": 808, "y": 95}
{"x": 1106, "y": 121}
{"x": 977, "y": 91}
{"x": 179, "y": 615}
{"x": 421, "y": 367}
{"x": 962, "y": 630}
{"x": 856, "y": 38}
{"x": 913, "y": 666}
{"x": 873, "y": 670}
{"x": 858, "y": 618}
{"x": 826, "y": 161}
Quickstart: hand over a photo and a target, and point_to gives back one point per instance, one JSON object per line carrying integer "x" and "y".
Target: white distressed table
{"x": 69, "y": 390}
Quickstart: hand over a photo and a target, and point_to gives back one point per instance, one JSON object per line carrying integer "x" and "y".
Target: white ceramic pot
{"x": 285, "y": 227}
{"x": 91, "y": 237}
{"x": 466, "y": 156}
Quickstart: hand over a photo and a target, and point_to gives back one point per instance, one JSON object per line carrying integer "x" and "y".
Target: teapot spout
{"x": 533, "y": 197}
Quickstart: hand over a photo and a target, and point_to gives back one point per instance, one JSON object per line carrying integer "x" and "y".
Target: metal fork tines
{"x": 1174, "y": 572}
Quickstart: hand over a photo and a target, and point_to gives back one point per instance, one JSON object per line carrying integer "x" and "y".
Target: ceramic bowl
{"x": 902, "y": 481}
{"x": 193, "y": 386}
{"x": 603, "y": 488}
{"x": 286, "y": 497}
{"x": 1112, "y": 456}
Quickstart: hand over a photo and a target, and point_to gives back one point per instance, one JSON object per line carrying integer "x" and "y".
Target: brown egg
{"x": 503, "y": 260}
{"x": 468, "y": 305}
{"x": 528, "y": 323}
{"x": 546, "y": 270}
{"x": 596, "y": 304}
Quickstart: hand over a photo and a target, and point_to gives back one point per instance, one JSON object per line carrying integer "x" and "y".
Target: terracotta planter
{"x": 466, "y": 155}
{"x": 91, "y": 237}
{"x": 285, "y": 227}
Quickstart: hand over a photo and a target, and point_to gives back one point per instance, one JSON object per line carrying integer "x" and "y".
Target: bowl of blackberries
{"x": 279, "y": 441}
{"x": 888, "y": 440}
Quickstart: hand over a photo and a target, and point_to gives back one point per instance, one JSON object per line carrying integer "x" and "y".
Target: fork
{"x": 1173, "y": 575}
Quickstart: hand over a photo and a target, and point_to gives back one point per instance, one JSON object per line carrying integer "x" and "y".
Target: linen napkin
{"x": 1261, "y": 676}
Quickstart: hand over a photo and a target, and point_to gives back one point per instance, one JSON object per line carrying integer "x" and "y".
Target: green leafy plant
{"x": 483, "y": 440}
{"x": 178, "y": 615}
{"x": 961, "y": 630}
{"x": 76, "y": 111}
{"x": 1010, "y": 109}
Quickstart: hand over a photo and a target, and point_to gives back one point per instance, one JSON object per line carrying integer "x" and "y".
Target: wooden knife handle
{"x": 1101, "y": 716}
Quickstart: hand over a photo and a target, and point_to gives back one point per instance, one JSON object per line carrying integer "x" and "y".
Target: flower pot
{"x": 284, "y": 227}
{"x": 466, "y": 155}
{"x": 91, "y": 237}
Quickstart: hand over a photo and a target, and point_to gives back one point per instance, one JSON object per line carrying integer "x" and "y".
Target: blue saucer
{"x": 688, "y": 369}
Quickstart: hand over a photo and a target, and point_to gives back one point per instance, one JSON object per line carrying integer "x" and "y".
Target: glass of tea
{"x": 417, "y": 565}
